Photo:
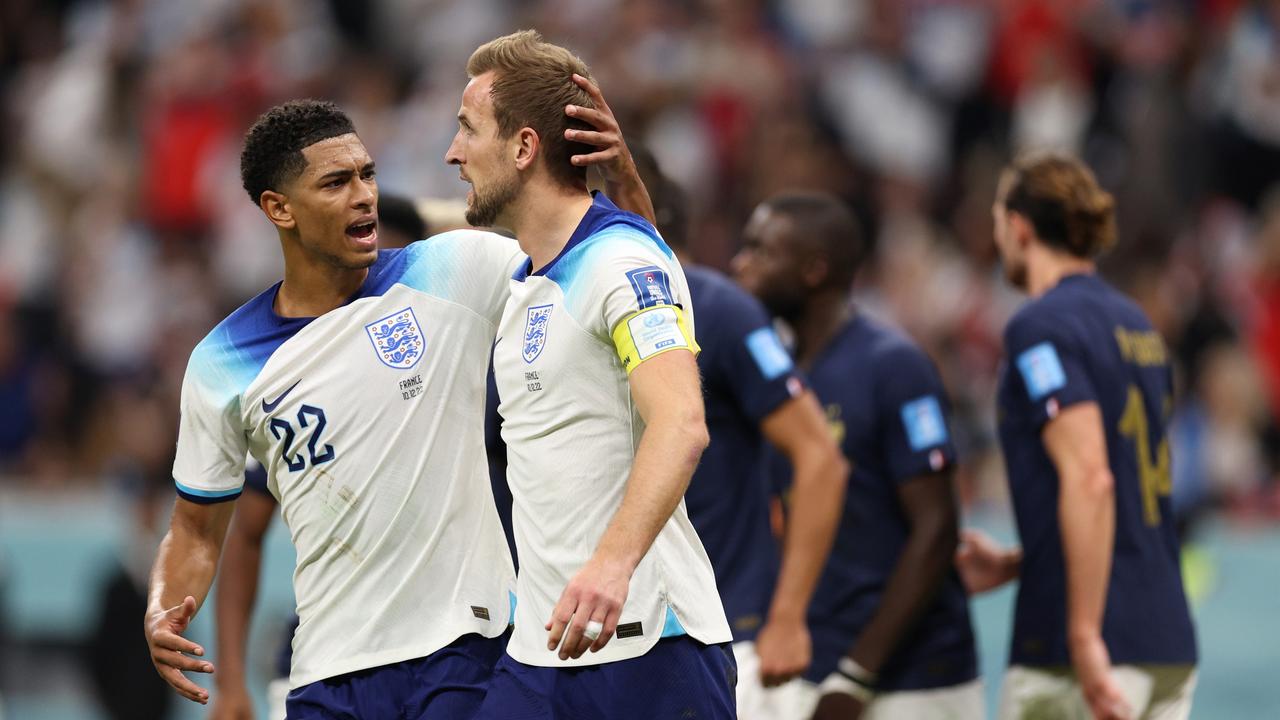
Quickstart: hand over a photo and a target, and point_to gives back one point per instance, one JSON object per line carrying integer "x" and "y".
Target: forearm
{"x": 665, "y": 460}
{"x": 1086, "y": 515}
{"x": 630, "y": 194}
{"x": 188, "y": 556}
{"x": 236, "y": 594}
{"x": 913, "y": 584}
{"x": 185, "y": 565}
{"x": 817, "y": 502}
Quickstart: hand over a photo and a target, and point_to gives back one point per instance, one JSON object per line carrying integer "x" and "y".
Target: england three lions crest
{"x": 397, "y": 339}
{"x": 535, "y": 331}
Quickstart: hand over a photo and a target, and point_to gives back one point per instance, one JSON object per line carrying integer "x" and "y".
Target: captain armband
{"x": 652, "y": 331}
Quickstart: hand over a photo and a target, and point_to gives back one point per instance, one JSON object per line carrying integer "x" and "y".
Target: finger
{"x": 185, "y": 687}
{"x": 610, "y": 625}
{"x": 591, "y": 137}
{"x": 593, "y": 91}
{"x": 560, "y": 618}
{"x": 598, "y": 615}
{"x": 182, "y": 662}
{"x": 596, "y": 158}
{"x": 183, "y": 611}
{"x": 574, "y": 636}
{"x": 593, "y": 117}
{"x": 177, "y": 643}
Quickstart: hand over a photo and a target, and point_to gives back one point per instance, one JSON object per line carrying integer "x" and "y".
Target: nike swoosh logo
{"x": 269, "y": 406}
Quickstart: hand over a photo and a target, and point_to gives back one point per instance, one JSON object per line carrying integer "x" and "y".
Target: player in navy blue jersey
{"x": 753, "y": 392}
{"x": 889, "y": 620}
{"x": 1101, "y": 625}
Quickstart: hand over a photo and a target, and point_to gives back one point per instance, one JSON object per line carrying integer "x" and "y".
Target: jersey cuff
{"x": 650, "y": 332}
{"x": 205, "y": 497}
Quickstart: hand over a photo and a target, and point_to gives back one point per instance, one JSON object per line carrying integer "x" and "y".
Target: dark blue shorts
{"x": 679, "y": 678}
{"x": 447, "y": 684}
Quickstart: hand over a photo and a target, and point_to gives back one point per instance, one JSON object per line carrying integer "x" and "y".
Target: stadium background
{"x": 126, "y": 236}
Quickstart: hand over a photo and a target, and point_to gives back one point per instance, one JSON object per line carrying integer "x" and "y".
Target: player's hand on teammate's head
{"x": 612, "y": 156}
{"x": 588, "y": 611}
{"x": 171, "y": 653}
{"x": 785, "y": 649}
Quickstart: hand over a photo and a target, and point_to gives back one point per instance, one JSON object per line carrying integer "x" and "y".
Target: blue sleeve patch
{"x": 1041, "y": 370}
{"x": 651, "y": 285}
{"x": 766, "y": 349}
{"x": 923, "y": 420}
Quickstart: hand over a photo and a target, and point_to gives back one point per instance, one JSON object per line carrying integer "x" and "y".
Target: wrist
{"x": 856, "y": 672}
{"x": 784, "y": 613}
{"x": 838, "y": 683}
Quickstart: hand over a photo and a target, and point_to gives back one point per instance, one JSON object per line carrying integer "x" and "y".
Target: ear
{"x": 1021, "y": 228}
{"x": 525, "y": 148}
{"x": 815, "y": 272}
{"x": 277, "y": 208}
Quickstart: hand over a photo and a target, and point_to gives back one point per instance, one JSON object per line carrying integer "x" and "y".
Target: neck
{"x": 313, "y": 287}
{"x": 544, "y": 218}
{"x": 1046, "y": 268}
{"x": 822, "y": 317}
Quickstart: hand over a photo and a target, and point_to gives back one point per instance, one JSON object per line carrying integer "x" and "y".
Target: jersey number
{"x": 1154, "y": 476}
{"x": 284, "y": 431}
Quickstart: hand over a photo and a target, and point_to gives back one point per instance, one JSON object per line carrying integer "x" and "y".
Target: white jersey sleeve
{"x": 209, "y": 466}
{"x": 480, "y": 261}
{"x": 642, "y": 300}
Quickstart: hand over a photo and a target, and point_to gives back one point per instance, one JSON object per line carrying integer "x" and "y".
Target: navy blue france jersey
{"x": 887, "y": 408}
{"x": 1083, "y": 341}
{"x": 746, "y": 375}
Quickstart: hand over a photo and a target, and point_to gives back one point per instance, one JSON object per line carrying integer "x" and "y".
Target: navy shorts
{"x": 679, "y": 678}
{"x": 447, "y": 684}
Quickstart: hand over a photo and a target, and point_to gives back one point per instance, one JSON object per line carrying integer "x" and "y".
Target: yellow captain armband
{"x": 652, "y": 331}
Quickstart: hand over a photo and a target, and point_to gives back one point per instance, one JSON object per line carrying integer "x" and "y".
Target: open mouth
{"x": 363, "y": 231}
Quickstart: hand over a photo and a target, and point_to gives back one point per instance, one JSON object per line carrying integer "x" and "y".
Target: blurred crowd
{"x": 127, "y": 236}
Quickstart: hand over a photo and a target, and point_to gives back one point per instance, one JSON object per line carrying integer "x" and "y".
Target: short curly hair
{"x": 272, "y": 153}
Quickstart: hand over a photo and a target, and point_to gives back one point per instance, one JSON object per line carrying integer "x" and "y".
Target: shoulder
{"x": 885, "y": 345}
{"x": 715, "y": 295}
{"x": 1038, "y": 320}
{"x": 234, "y": 352}
{"x": 446, "y": 263}
{"x": 458, "y": 246}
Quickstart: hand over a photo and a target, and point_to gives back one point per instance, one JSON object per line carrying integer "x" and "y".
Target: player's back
{"x": 369, "y": 420}
{"x": 886, "y": 405}
{"x": 1085, "y": 341}
{"x": 746, "y": 374}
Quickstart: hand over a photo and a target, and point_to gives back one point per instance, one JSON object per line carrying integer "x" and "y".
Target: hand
{"x": 231, "y": 703}
{"x": 613, "y": 158}
{"x": 1102, "y": 693}
{"x": 164, "y": 637}
{"x": 596, "y": 594}
{"x": 838, "y": 706}
{"x": 785, "y": 650}
{"x": 983, "y": 565}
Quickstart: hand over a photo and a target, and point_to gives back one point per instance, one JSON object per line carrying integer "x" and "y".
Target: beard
{"x": 486, "y": 205}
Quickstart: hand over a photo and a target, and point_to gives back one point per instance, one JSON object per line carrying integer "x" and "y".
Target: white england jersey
{"x": 370, "y": 422}
{"x": 572, "y": 430}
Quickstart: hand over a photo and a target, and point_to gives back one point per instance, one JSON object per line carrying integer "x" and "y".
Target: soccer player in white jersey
{"x": 602, "y": 416}
{"x": 358, "y": 382}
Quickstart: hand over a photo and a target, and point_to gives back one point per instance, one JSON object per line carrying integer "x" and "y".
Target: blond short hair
{"x": 533, "y": 81}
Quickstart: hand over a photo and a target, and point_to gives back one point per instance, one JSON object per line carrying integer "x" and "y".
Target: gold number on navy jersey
{"x": 1153, "y": 476}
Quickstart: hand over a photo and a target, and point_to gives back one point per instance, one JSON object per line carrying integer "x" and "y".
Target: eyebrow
{"x": 344, "y": 172}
